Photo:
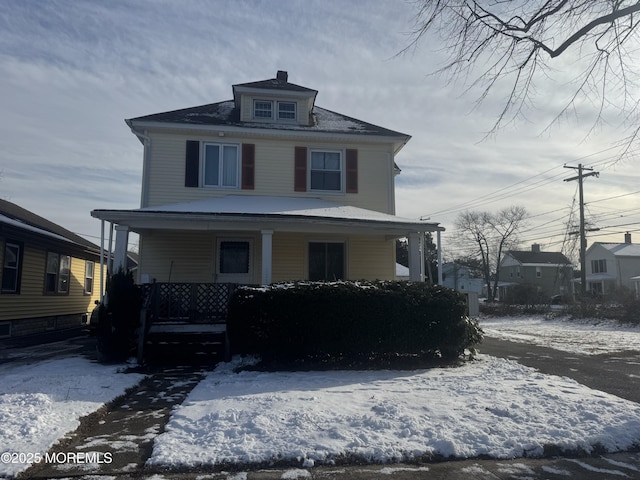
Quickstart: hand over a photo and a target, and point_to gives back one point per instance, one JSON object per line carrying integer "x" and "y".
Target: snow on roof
{"x": 25, "y": 226}
{"x": 285, "y": 206}
{"x": 402, "y": 271}
{"x": 622, "y": 249}
{"x": 225, "y": 113}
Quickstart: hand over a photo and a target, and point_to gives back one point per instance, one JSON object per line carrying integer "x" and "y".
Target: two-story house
{"x": 550, "y": 273}
{"x": 48, "y": 276}
{"x": 612, "y": 265}
{"x": 266, "y": 187}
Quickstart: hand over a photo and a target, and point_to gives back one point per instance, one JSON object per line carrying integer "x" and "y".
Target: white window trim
{"x": 17, "y": 269}
{"x": 343, "y": 173}
{"x": 58, "y": 275}
{"x": 203, "y": 161}
{"x": 92, "y": 277}
{"x": 253, "y": 111}
{"x": 295, "y": 111}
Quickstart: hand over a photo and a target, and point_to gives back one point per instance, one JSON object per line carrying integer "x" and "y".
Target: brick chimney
{"x": 627, "y": 237}
{"x": 282, "y": 75}
{"x": 535, "y": 248}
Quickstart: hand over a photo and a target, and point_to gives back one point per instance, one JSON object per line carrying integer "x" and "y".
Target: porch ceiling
{"x": 254, "y": 213}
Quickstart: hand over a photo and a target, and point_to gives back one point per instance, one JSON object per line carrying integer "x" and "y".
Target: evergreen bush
{"x": 350, "y": 320}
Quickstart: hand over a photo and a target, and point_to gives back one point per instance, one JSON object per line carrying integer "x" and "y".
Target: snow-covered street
{"x": 491, "y": 406}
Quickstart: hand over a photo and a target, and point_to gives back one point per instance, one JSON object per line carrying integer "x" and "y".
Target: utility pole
{"x": 583, "y": 238}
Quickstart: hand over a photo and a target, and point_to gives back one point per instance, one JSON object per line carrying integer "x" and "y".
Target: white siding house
{"x": 612, "y": 265}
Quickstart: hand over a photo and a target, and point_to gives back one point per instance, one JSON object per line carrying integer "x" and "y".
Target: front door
{"x": 234, "y": 263}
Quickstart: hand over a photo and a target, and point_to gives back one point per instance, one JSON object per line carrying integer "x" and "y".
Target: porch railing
{"x": 181, "y": 313}
{"x": 187, "y": 302}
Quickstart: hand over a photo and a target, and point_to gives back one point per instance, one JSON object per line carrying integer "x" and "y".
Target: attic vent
{"x": 282, "y": 75}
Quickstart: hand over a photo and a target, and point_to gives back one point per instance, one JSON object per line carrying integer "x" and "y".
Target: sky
{"x": 71, "y": 71}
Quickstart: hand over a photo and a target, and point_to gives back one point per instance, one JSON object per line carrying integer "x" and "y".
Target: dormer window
{"x": 262, "y": 109}
{"x": 286, "y": 111}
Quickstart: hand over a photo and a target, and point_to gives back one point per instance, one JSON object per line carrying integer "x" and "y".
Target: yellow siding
{"x": 273, "y": 174}
{"x": 289, "y": 253}
{"x": 190, "y": 256}
{"x": 371, "y": 258}
{"x": 33, "y": 303}
{"x": 177, "y": 256}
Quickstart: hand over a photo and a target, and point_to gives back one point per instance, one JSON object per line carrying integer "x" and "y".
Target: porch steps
{"x": 171, "y": 341}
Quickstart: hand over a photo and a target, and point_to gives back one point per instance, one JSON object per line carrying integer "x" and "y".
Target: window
{"x": 326, "y": 170}
{"x": 598, "y": 266}
{"x": 262, "y": 109}
{"x": 286, "y": 111}
{"x": 234, "y": 257}
{"x": 326, "y": 261}
{"x": 220, "y": 165}
{"x": 518, "y": 272}
{"x": 57, "y": 274}
{"x": 538, "y": 272}
{"x": 11, "y": 268}
{"x": 88, "y": 277}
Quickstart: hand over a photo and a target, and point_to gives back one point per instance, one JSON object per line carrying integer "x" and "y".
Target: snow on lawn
{"x": 41, "y": 402}
{"x": 490, "y": 407}
{"x": 586, "y": 336}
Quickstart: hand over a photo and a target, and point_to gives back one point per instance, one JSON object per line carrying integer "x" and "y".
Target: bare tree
{"x": 490, "y": 41}
{"x": 491, "y": 234}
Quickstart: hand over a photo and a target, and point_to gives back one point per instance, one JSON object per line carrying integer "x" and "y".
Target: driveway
{"x": 616, "y": 373}
{"x": 130, "y": 424}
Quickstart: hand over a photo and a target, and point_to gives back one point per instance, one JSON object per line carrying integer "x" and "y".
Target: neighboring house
{"x": 49, "y": 276}
{"x": 612, "y": 265}
{"x": 550, "y": 273}
{"x": 266, "y": 187}
{"x": 458, "y": 277}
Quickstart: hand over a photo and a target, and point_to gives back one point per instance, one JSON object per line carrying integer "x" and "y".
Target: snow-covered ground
{"x": 487, "y": 407}
{"x": 41, "y": 402}
{"x": 490, "y": 407}
{"x": 587, "y": 336}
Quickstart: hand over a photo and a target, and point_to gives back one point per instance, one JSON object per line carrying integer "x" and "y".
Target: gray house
{"x": 548, "y": 273}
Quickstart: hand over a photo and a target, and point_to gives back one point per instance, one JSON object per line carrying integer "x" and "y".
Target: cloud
{"x": 71, "y": 72}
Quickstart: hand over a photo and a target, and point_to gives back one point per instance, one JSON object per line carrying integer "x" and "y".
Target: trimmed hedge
{"x": 350, "y": 319}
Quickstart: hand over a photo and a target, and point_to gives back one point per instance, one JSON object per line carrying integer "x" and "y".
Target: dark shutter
{"x": 300, "y": 170}
{"x": 192, "y": 164}
{"x": 352, "y": 171}
{"x": 248, "y": 166}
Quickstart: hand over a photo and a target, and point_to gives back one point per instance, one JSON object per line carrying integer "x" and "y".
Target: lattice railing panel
{"x": 188, "y": 302}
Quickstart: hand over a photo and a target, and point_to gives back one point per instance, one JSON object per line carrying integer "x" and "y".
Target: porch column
{"x": 440, "y": 279}
{"x": 267, "y": 256}
{"x": 416, "y": 262}
{"x": 120, "y": 251}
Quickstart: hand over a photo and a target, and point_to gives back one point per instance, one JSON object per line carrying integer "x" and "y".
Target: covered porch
{"x": 261, "y": 240}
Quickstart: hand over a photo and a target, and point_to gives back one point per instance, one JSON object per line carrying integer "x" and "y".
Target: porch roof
{"x": 255, "y": 212}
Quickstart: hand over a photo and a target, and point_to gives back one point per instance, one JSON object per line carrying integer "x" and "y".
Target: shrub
{"x": 119, "y": 318}
{"x": 349, "y": 320}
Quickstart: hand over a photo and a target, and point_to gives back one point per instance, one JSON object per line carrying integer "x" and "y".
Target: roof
{"x": 226, "y": 114}
{"x": 276, "y": 84}
{"x": 258, "y": 209}
{"x": 620, "y": 249}
{"x": 527, "y": 257}
{"x": 18, "y": 217}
